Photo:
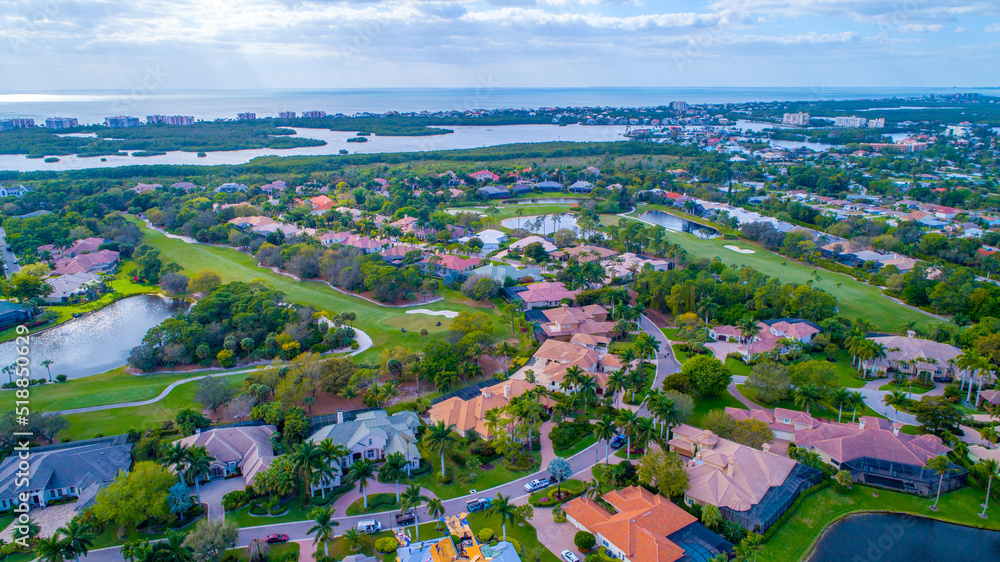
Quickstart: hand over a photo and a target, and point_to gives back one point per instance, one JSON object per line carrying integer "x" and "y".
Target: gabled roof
{"x": 546, "y": 291}
{"x": 374, "y": 423}
{"x": 872, "y": 437}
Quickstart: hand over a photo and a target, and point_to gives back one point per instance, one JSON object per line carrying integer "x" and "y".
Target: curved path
{"x": 363, "y": 339}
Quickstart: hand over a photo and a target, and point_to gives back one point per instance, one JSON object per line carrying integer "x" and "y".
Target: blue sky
{"x": 175, "y": 44}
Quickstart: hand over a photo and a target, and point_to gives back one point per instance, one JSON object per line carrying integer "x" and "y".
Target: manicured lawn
{"x": 703, "y": 406}
{"x": 376, "y": 503}
{"x": 854, "y": 299}
{"x": 113, "y": 387}
{"x": 576, "y": 448}
{"x": 510, "y": 211}
{"x": 339, "y": 550}
{"x": 572, "y": 486}
{"x": 384, "y": 324}
{"x": 462, "y": 482}
{"x": 847, "y": 375}
{"x": 619, "y": 346}
{"x": 295, "y": 513}
{"x": 526, "y": 535}
{"x": 905, "y": 388}
{"x": 120, "y": 420}
{"x": 671, "y": 333}
{"x": 799, "y": 533}
{"x": 821, "y": 410}
{"x": 284, "y": 549}
{"x": 737, "y": 367}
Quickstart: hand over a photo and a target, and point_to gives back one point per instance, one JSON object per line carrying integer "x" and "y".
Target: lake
{"x": 97, "y": 342}
{"x": 677, "y": 224}
{"x": 543, "y": 224}
{"x": 891, "y": 537}
{"x": 461, "y": 138}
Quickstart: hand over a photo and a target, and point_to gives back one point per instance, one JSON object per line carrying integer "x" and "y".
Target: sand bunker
{"x": 738, "y": 250}
{"x": 445, "y": 313}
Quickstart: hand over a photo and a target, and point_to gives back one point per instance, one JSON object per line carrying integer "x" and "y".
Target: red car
{"x": 276, "y": 538}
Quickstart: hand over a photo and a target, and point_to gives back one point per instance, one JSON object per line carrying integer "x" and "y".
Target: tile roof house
{"x": 64, "y": 287}
{"x": 244, "y": 450}
{"x": 584, "y": 253}
{"x": 145, "y": 187}
{"x": 484, "y": 175}
{"x": 928, "y": 355}
{"x": 101, "y": 261}
{"x": 624, "y": 265}
{"x": 470, "y": 414}
{"x": 553, "y": 358}
{"x": 373, "y": 435}
{"x": 544, "y": 294}
{"x": 78, "y": 469}
{"x": 503, "y": 271}
{"x": 581, "y": 187}
{"x": 441, "y": 264}
{"x": 320, "y": 204}
{"x": 645, "y": 528}
{"x": 251, "y": 222}
{"x": 491, "y": 239}
{"x": 742, "y": 481}
{"x": 546, "y": 245}
{"x": 81, "y": 246}
{"x": 784, "y": 423}
{"x": 769, "y": 338}
{"x": 565, "y": 322}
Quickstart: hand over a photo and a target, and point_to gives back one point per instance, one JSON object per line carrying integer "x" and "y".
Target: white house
{"x": 491, "y": 239}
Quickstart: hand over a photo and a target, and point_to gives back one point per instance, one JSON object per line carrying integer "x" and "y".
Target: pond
{"x": 97, "y": 342}
{"x": 893, "y": 537}
{"x": 677, "y": 224}
{"x": 543, "y": 224}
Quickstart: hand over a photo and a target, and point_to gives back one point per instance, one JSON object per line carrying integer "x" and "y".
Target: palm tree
{"x": 355, "y": 540}
{"x": 439, "y": 438}
{"x": 435, "y": 508}
{"x": 332, "y": 454}
{"x": 175, "y": 455}
{"x": 52, "y": 549}
{"x": 411, "y": 499}
{"x": 506, "y": 350}
{"x": 199, "y": 466}
{"x": 666, "y": 410}
{"x": 707, "y": 307}
{"x": 306, "y": 458}
{"x": 79, "y": 537}
{"x": 503, "y": 508}
{"x": 323, "y": 529}
{"x": 645, "y": 431}
{"x": 749, "y": 329}
{"x": 990, "y": 435}
{"x": 587, "y": 388}
{"x": 710, "y": 516}
{"x": 616, "y": 383}
{"x": 895, "y": 399}
{"x": 940, "y": 466}
{"x": 990, "y": 466}
{"x": 857, "y": 399}
{"x": 808, "y": 395}
{"x": 48, "y": 363}
{"x": 256, "y": 550}
{"x": 361, "y": 472}
{"x": 394, "y": 469}
{"x": 841, "y": 397}
{"x": 627, "y": 420}
{"x": 604, "y": 430}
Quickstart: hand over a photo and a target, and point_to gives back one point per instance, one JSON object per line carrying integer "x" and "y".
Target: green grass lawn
{"x": 295, "y": 512}
{"x": 580, "y": 445}
{"x": 510, "y": 211}
{"x": 799, "y": 533}
{"x": 377, "y": 503}
{"x": 120, "y": 420}
{"x": 526, "y": 535}
{"x": 703, "y": 406}
{"x": 339, "y": 550}
{"x": 383, "y": 324}
{"x": 847, "y": 375}
{"x": 905, "y": 388}
{"x": 854, "y": 299}
{"x": 462, "y": 482}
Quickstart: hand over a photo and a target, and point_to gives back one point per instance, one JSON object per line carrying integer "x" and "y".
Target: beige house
{"x": 551, "y": 361}
{"x": 565, "y": 322}
{"x": 243, "y": 450}
{"x": 913, "y": 355}
{"x": 468, "y": 415}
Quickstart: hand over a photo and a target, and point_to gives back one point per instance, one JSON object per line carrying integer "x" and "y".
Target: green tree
{"x": 394, "y": 468}
{"x": 355, "y": 540}
{"x": 504, "y": 509}
{"x": 941, "y": 466}
{"x": 79, "y": 537}
{"x": 323, "y": 528}
{"x": 559, "y": 470}
{"x": 709, "y": 377}
{"x": 710, "y": 516}
{"x": 605, "y": 430}
{"x": 412, "y": 498}
{"x": 937, "y": 414}
{"x": 664, "y": 471}
{"x": 808, "y": 395}
{"x": 895, "y": 399}
{"x": 770, "y": 381}
{"x": 439, "y": 438}
{"x": 135, "y": 496}
{"x": 52, "y": 549}
{"x": 210, "y": 539}
{"x": 360, "y": 473}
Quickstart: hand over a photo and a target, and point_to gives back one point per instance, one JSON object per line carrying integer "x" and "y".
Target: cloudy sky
{"x": 114, "y": 44}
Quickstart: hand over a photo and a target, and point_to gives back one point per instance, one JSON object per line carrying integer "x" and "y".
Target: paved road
{"x": 8, "y": 257}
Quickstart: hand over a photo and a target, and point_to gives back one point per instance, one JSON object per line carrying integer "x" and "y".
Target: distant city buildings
{"x": 679, "y": 106}
{"x": 170, "y": 120}
{"x": 286, "y": 115}
{"x": 248, "y": 116}
{"x": 851, "y": 122}
{"x": 61, "y": 123}
{"x": 313, "y": 114}
{"x": 121, "y": 121}
{"x": 16, "y": 123}
{"x": 795, "y": 119}
{"x": 877, "y": 123}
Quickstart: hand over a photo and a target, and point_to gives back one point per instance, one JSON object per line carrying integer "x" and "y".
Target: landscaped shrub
{"x": 732, "y": 531}
{"x": 483, "y": 449}
{"x": 446, "y": 479}
{"x": 516, "y": 544}
{"x": 486, "y": 534}
{"x": 600, "y": 556}
{"x": 424, "y": 468}
{"x": 258, "y": 509}
{"x": 236, "y": 499}
{"x": 385, "y": 545}
{"x": 584, "y": 541}
{"x": 566, "y": 434}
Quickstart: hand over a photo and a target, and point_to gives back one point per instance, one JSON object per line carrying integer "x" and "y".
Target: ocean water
{"x": 93, "y": 106}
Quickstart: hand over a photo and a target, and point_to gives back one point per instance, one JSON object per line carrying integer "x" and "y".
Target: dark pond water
{"x": 97, "y": 342}
{"x": 889, "y": 537}
{"x": 675, "y": 223}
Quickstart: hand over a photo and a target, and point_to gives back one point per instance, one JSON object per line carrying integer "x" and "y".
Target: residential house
{"x": 491, "y": 239}
{"x": 565, "y": 322}
{"x": 501, "y": 272}
{"x": 470, "y": 415}
{"x": 494, "y": 192}
{"x": 549, "y": 186}
{"x": 410, "y": 226}
{"x": 447, "y": 264}
{"x": 320, "y": 204}
{"x": 914, "y": 356}
{"x": 553, "y": 358}
{"x": 65, "y": 287}
{"x": 231, "y": 188}
{"x": 81, "y": 246}
{"x": 548, "y": 246}
{"x": 275, "y": 187}
{"x": 876, "y": 453}
{"x": 645, "y": 527}
{"x": 775, "y": 335}
{"x": 250, "y": 223}
{"x": 628, "y": 264}
{"x": 372, "y": 435}
{"x": 237, "y": 450}
{"x": 12, "y": 313}
{"x": 77, "y": 469}
{"x": 19, "y": 191}
{"x": 144, "y": 187}
{"x": 545, "y": 294}
{"x": 520, "y": 188}
{"x": 581, "y": 187}
{"x": 101, "y": 261}
{"x": 749, "y": 486}
{"x": 396, "y": 254}
{"x": 783, "y": 422}
{"x": 584, "y": 253}
{"x": 484, "y": 175}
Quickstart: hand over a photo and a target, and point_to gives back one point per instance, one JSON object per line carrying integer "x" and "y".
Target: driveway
{"x": 211, "y": 495}
{"x": 48, "y": 518}
{"x": 554, "y": 536}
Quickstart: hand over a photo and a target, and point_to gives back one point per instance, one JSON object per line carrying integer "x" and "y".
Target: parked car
{"x": 404, "y": 519}
{"x": 944, "y": 379}
{"x": 569, "y": 556}
{"x": 618, "y": 442}
{"x": 536, "y": 484}
{"x": 370, "y": 526}
{"x": 276, "y": 538}
{"x": 478, "y": 504}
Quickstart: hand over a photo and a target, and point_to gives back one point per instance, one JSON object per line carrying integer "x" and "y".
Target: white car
{"x": 370, "y": 526}
{"x": 569, "y": 556}
{"x": 536, "y": 484}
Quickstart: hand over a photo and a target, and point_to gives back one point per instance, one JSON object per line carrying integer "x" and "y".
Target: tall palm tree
{"x": 604, "y": 430}
{"x": 749, "y": 329}
{"x": 79, "y": 537}
{"x": 990, "y": 435}
{"x": 940, "y": 466}
{"x": 175, "y": 455}
{"x": 990, "y": 466}
{"x": 256, "y": 550}
{"x": 52, "y": 549}
{"x": 411, "y": 499}
{"x": 841, "y": 397}
{"x": 857, "y": 399}
{"x": 665, "y": 409}
{"x": 895, "y": 399}
{"x": 355, "y": 540}
{"x": 47, "y": 364}
{"x": 645, "y": 431}
{"x": 587, "y": 388}
{"x": 808, "y": 395}
{"x": 626, "y": 421}
{"x": 439, "y": 438}
{"x": 503, "y": 508}
{"x": 199, "y": 466}
{"x": 360, "y": 473}
{"x": 506, "y": 350}
{"x": 323, "y": 529}
{"x": 435, "y": 508}
{"x": 306, "y": 458}
{"x": 394, "y": 469}
{"x": 706, "y": 308}
{"x": 617, "y": 381}
{"x": 332, "y": 454}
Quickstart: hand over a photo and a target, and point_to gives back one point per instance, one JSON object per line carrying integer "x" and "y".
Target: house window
{"x": 605, "y": 543}
{"x": 371, "y": 454}
{"x": 369, "y": 441}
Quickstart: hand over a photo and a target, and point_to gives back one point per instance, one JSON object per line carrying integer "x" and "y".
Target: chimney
{"x": 766, "y": 447}
{"x": 895, "y": 428}
{"x": 911, "y": 334}
{"x": 861, "y": 424}
{"x": 487, "y": 394}
{"x": 729, "y": 467}
{"x": 340, "y": 415}
{"x": 506, "y": 391}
